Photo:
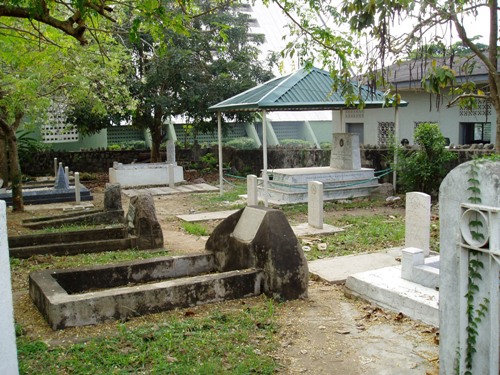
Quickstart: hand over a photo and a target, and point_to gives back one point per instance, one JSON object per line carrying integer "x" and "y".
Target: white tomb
{"x": 343, "y": 179}
{"x": 145, "y": 174}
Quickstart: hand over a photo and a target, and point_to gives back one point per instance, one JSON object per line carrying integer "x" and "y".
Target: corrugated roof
{"x": 305, "y": 89}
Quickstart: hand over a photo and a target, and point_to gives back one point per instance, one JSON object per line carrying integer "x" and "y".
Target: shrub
{"x": 325, "y": 145}
{"x": 424, "y": 168}
{"x": 295, "y": 143}
{"x": 242, "y": 143}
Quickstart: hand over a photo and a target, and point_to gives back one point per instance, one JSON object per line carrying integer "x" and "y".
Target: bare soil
{"x": 327, "y": 333}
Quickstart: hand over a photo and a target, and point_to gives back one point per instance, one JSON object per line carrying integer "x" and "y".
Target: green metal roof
{"x": 305, "y": 89}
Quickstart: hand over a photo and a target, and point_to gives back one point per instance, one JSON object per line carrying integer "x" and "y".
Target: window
{"x": 475, "y": 132}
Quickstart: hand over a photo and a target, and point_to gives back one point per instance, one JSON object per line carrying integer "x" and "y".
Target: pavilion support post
{"x": 264, "y": 156}
{"x": 396, "y": 145}
{"x": 219, "y": 141}
{"x": 341, "y": 119}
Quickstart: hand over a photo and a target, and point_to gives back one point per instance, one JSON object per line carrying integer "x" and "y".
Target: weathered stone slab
{"x": 142, "y": 222}
{"x": 260, "y": 237}
{"x": 112, "y": 197}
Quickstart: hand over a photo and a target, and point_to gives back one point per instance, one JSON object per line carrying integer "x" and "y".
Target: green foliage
{"x": 242, "y": 143}
{"x": 325, "y": 145}
{"x": 423, "y": 169}
{"x": 27, "y": 146}
{"x": 130, "y": 145}
{"x": 195, "y": 229}
{"x": 295, "y": 143}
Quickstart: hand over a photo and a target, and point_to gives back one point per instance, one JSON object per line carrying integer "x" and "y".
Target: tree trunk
{"x": 15, "y": 176}
{"x": 4, "y": 166}
{"x": 156, "y": 135}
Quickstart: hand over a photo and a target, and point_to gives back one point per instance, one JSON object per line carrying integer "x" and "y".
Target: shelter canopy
{"x": 305, "y": 89}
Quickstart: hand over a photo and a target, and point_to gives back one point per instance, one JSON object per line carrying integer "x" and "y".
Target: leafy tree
{"x": 34, "y": 72}
{"x": 423, "y": 169}
{"x": 186, "y": 73}
{"x": 378, "y": 26}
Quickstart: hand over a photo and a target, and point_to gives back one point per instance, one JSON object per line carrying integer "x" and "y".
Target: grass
{"x": 230, "y": 199}
{"x": 195, "y": 229}
{"x": 236, "y": 342}
{"x": 74, "y": 227}
{"x": 362, "y": 234}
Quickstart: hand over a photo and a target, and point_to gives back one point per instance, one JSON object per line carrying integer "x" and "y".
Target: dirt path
{"x": 325, "y": 334}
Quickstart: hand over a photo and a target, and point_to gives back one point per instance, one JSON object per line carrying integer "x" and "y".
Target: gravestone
{"x": 345, "y": 152}
{"x": 469, "y": 244}
{"x": 8, "y": 351}
{"x": 315, "y": 204}
{"x": 142, "y": 222}
{"x": 112, "y": 197}
{"x": 418, "y": 221}
{"x": 261, "y": 237}
{"x": 252, "y": 197}
{"x": 62, "y": 181}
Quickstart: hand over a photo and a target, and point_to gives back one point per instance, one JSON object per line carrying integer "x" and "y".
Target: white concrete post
{"x": 66, "y": 172}
{"x": 56, "y": 167}
{"x": 77, "y": 188}
{"x": 315, "y": 204}
{"x": 418, "y": 221}
{"x": 171, "y": 180}
{"x": 8, "y": 350}
{"x": 264, "y": 152}
{"x": 219, "y": 142}
{"x": 252, "y": 198}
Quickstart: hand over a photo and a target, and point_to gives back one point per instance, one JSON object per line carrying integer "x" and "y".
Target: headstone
{"x": 345, "y": 153}
{"x": 8, "y": 350}
{"x": 261, "y": 237}
{"x": 142, "y": 222}
{"x": 66, "y": 172}
{"x": 418, "y": 221}
{"x": 55, "y": 167}
{"x": 78, "y": 197}
{"x": 252, "y": 197}
{"x": 315, "y": 204}
{"x": 469, "y": 245}
{"x": 112, "y": 197}
{"x": 62, "y": 181}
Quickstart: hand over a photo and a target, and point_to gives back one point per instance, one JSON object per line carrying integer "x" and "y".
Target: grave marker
{"x": 469, "y": 339}
{"x": 315, "y": 204}
{"x": 8, "y": 351}
{"x": 418, "y": 221}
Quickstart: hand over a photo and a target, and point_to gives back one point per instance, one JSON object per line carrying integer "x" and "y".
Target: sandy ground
{"x": 324, "y": 334}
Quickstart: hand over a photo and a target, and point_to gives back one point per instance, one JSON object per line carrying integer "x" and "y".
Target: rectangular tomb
{"x": 129, "y": 175}
{"x": 91, "y": 295}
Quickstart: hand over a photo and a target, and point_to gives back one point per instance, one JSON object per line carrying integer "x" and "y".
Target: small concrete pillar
{"x": 418, "y": 221}
{"x": 315, "y": 204}
{"x": 171, "y": 175}
{"x": 252, "y": 197}
{"x": 77, "y": 188}
{"x": 411, "y": 257}
{"x": 56, "y": 167}
{"x": 66, "y": 172}
{"x": 8, "y": 350}
{"x": 171, "y": 152}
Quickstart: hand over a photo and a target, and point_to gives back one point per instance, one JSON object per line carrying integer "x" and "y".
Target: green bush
{"x": 422, "y": 169}
{"x": 114, "y": 147}
{"x": 295, "y": 143}
{"x": 325, "y": 145}
{"x": 242, "y": 143}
